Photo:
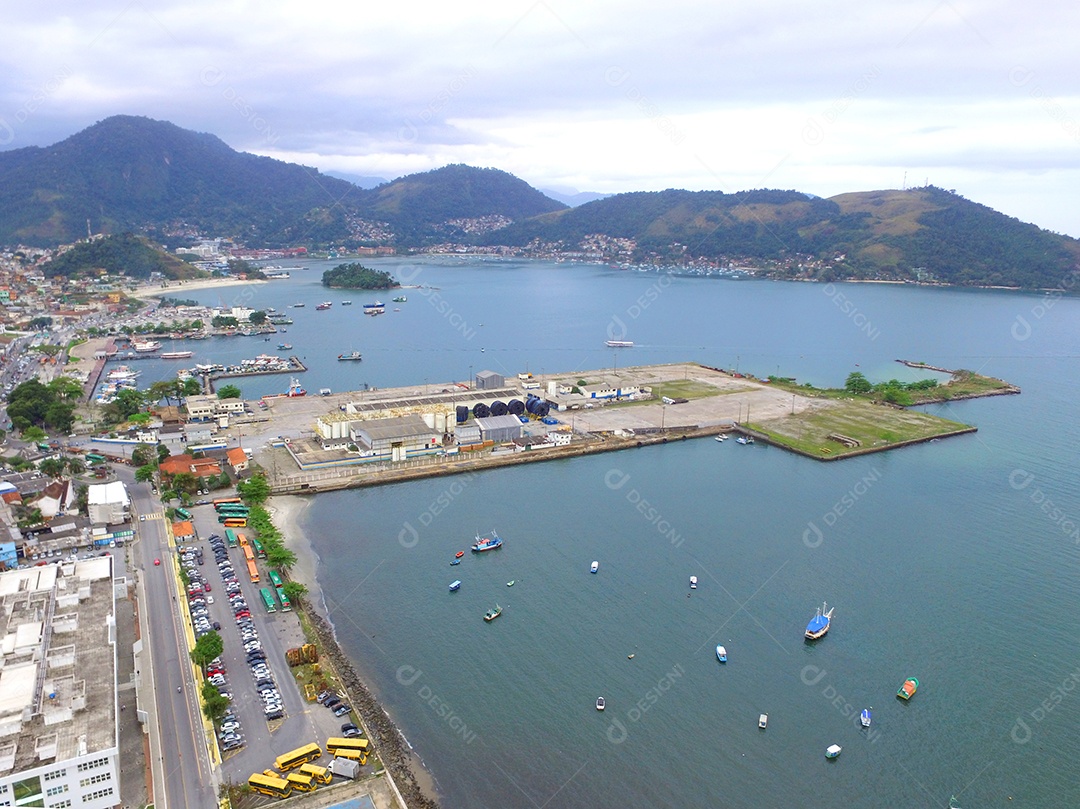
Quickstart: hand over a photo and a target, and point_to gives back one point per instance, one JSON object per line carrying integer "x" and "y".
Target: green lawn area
{"x": 874, "y": 426}
{"x": 686, "y": 389}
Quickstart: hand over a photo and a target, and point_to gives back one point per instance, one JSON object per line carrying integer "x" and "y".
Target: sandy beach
{"x": 174, "y": 288}
{"x": 414, "y": 783}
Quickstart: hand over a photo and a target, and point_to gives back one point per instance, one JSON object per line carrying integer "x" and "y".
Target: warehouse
{"x": 396, "y": 439}
{"x": 499, "y": 428}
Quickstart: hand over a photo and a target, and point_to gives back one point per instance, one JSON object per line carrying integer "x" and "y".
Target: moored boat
{"x": 819, "y": 624}
{"x": 864, "y": 717}
{"x": 487, "y": 543}
{"x": 284, "y": 346}
{"x": 619, "y": 343}
{"x": 721, "y": 654}
{"x": 595, "y": 566}
{"x": 455, "y": 561}
{"x": 400, "y": 299}
{"x": 491, "y": 615}
{"x": 324, "y": 305}
{"x": 745, "y": 439}
{"x": 459, "y": 554}
{"x": 763, "y": 721}
{"x": 907, "y": 690}
{"x": 354, "y": 355}
{"x": 455, "y": 585}
{"x": 145, "y": 346}
{"x": 346, "y": 303}
{"x": 176, "y": 355}
{"x": 833, "y": 750}
{"x": 693, "y": 582}
{"x": 600, "y": 703}
{"x": 295, "y": 389}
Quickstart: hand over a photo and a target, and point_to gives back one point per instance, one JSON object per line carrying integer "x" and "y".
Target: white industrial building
{"x": 58, "y": 690}
{"x": 108, "y": 503}
{"x": 396, "y": 439}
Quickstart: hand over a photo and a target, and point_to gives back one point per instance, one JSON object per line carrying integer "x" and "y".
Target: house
{"x": 56, "y": 499}
{"x": 200, "y": 467}
{"x": 238, "y": 460}
{"x": 108, "y": 503}
{"x": 183, "y": 530}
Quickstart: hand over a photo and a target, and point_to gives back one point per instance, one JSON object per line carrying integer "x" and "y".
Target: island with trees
{"x": 357, "y": 276}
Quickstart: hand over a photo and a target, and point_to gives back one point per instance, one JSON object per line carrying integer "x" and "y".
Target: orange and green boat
{"x": 907, "y": 690}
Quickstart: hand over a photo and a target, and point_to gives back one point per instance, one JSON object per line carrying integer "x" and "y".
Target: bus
{"x": 301, "y": 782}
{"x": 320, "y": 774}
{"x": 242, "y": 540}
{"x": 274, "y": 787}
{"x": 338, "y": 745}
{"x": 294, "y": 758}
{"x": 233, "y": 522}
{"x": 259, "y": 550}
{"x": 253, "y": 571}
{"x": 275, "y": 579}
{"x": 224, "y": 500}
{"x": 183, "y": 514}
{"x": 238, "y": 511}
{"x": 286, "y": 605}
{"x": 249, "y": 554}
{"x": 230, "y": 537}
{"x": 352, "y": 755}
{"x": 267, "y": 596}
{"x": 94, "y": 459}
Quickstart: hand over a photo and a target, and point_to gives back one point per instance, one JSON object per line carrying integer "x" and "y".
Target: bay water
{"x": 956, "y": 562}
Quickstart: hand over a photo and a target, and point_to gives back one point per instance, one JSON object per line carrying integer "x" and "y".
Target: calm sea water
{"x": 956, "y": 562}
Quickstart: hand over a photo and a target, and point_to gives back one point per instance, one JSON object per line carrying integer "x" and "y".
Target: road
{"x": 182, "y": 757}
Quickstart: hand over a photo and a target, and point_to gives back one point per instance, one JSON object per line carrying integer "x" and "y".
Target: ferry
{"x": 907, "y": 690}
{"x": 488, "y": 543}
{"x": 819, "y": 624}
{"x": 295, "y": 389}
{"x": 177, "y": 355}
{"x": 491, "y": 615}
{"x": 145, "y": 346}
{"x": 324, "y": 305}
{"x": 455, "y": 586}
{"x": 353, "y": 355}
{"x": 619, "y": 343}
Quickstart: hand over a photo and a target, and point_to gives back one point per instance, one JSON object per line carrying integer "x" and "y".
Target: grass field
{"x": 689, "y": 389}
{"x": 873, "y": 426}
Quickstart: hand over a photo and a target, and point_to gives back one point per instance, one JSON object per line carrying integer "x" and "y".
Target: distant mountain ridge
{"x": 135, "y": 174}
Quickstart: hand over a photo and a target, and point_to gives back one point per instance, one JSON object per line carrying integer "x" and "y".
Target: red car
{"x": 157, "y": 561}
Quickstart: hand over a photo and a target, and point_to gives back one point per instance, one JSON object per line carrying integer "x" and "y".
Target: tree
{"x": 145, "y": 473}
{"x": 60, "y": 416}
{"x": 228, "y": 392}
{"x": 164, "y": 389}
{"x": 294, "y": 591}
{"x": 142, "y": 455}
{"x": 52, "y": 467}
{"x": 128, "y": 402}
{"x": 257, "y": 318}
{"x": 207, "y": 648}
{"x": 66, "y": 389}
{"x": 82, "y": 497}
{"x": 185, "y": 482}
{"x": 168, "y": 495}
{"x": 76, "y": 465}
{"x": 857, "y": 383}
{"x": 214, "y": 704}
{"x": 34, "y": 434}
{"x": 280, "y": 557}
{"x": 191, "y": 387}
{"x": 162, "y": 453}
{"x": 255, "y": 490}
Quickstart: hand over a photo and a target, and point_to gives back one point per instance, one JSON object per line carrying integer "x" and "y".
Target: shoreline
{"x": 195, "y": 284}
{"x": 410, "y": 779}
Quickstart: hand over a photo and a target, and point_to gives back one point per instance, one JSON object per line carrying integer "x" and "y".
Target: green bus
{"x": 275, "y": 579}
{"x": 183, "y": 514}
{"x": 237, "y": 511}
{"x": 230, "y": 537}
{"x": 286, "y": 605}
{"x": 267, "y": 596}
{"x": 93, "y": 458}
{"x": 260, "y": 551}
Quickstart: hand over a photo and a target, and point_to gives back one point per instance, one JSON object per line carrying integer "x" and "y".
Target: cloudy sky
{"x": 824, "y": 97}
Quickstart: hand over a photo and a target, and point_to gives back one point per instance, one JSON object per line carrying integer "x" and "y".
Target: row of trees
{"x": 255, "y": 491}
{"x": 180, "y": 326}
{"x": 894, "y": 391}
{"x": 49, "y": 407}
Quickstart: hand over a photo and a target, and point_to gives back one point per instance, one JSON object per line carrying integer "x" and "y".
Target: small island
{"x": 357, "y": 276}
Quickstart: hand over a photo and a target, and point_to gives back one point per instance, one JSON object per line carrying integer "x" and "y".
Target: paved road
{"x": 184, "y": 760}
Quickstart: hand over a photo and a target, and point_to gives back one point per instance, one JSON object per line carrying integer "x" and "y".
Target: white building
{"x": 108, "y": 503}
{"x": 58, "y": 697}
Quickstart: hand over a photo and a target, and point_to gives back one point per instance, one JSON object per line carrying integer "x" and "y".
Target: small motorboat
{"x": 864, "y": 717}
{"x": 491, "y": 615}
{"x": 600, "y": 704}
{"x": 455, "y": 561}
{"x": 833, "y": 750}
{"x": 721, "y": 654}
{"x": 721, "y": 438}
{"x": 745, "y": 439}
{"x": 763, "y": 721}
{"x": 693, "y": 582}
{"x": 511, "y": 583}
{"x": 907, "y": 690}
{"x": 459, "y": 554}
{"x": 455, "y": 586}
{"x": 595, "y": 566}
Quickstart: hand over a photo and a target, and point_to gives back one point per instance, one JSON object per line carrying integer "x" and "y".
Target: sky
{"x": 822, "y": 97}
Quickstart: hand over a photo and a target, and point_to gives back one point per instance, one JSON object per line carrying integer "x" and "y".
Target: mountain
{"x": 122, "y": 254}
{"x": 573, "y": 197}
{"x": 361, "y": 180}
{"x": 926, "y": 234}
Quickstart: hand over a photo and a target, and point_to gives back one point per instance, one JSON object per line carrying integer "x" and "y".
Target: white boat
{"x": 721, "y": 654}
{"x": 600, "y": 704}
{"x": 620, "y": 344}
{"x": 833, "y": 750}
{"x": 864, "y": 717}
{"x": 721, "y": 438}
{"x": 745, "y": 439}
{"x": 145, "y": 346}
{"x": 177, "y": 355}
{"x": 693, "y": 582}
{"x": 763, "y": 721}
{"x": 595, "y": 566}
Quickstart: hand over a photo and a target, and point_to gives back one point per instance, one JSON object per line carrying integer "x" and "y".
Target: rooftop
{"x": 100, "y": 494}
{"x": 400, "y": 427}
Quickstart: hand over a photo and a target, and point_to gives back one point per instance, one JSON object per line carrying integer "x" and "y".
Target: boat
{"x": 600, "y": 703}
{"x": 284, "y": 347}
{"x": 721, "y": 654}
{"x": 864, "y": 717}
{"x": 324, "y": 305}
{"x": 693, "y": 582}
{"x": 459, "y": 554}
{"x": 763, "y": 721}
{"x": 745, "y": 439}
{"x": 619, "y": 343}
{"x": 376, "y": 308}
{"x": 907, "y": 690}
{"x": 145, "y": 346}
{"x": 176, "y": 355}
{"x": 295, "y": 389}
{"x": 819, "y": 624}
{"x": 299, "y": 305}
{"x": 491, "y": 615}
{"x": 511, "y": 583}
{"x": 346, "y": 303}
{"x": 833, "y": 750}
{"x": 595, "y": 566}
{"x": 488, "y": 543}
{"x": 721, "y": 438}
{"x": 275, "y": 275}
{"x": 353, "y": 355}
{"x": 400, "y": 299}
{"x": 455, "y": 561}
{"x": 455, "y": 585}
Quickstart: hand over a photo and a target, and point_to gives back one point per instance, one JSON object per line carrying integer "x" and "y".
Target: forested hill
{"x": 122, "y": 254}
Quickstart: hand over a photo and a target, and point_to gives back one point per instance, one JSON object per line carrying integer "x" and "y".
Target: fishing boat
{"x": 491, "y": 615}
{"x": 324, "y": 305}
{"x": 832, "y": 751}
{"x": 595, "y": 566}
{"x": 907, "y": 690}
{"x": 487, "y": 543}
{"x": 619, "y": 343}
{"x": 354, "y": 355}
{"x": 346, "y": 303}
{"x": 284, "y": 347}
{"x": 600, "y": 703}
{"x": 763, "y": 721}
{"x": 693, "y": 582}
{"x": 455, "y": 586}
{"x": 864, "y": 717}
{"x": 295, "y": 389}
{"x": 400, "y": 299}
{"x": 176, "y": 355}
{"x": 459, "y": 554}
{"x": 145, "y": 346}
{"x": 455, "y": 561}
{"x": 819, "y": 624}
{"x": 721, "y": 654}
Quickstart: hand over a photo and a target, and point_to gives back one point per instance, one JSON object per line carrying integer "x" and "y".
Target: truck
{"x": 345, "y": 768}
